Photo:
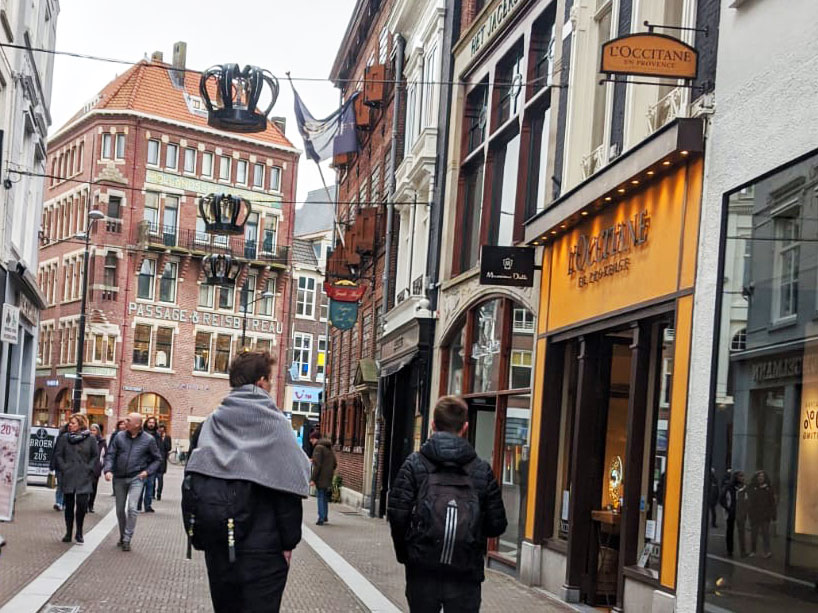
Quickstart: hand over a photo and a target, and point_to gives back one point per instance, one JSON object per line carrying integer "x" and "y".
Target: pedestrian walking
{"x": 713, "y": 497}
{"x": 76, "y": 459}
{"x": 729, "y": 500}
{"x": 761, "y": 510}
{"x": 149, "y": 487}
{"x": 165, "y": 446}
{"x": 59, "y": 502}
{"x": 96, "y": 432}
{"x": 444, "y": 504}
{"x": 323, "y": 469}
{"x": 309, "y": 442}
{"x": 132, "y": 456}
{"x": 246, "y": 448}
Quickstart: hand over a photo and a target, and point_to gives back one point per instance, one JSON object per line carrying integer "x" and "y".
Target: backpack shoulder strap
{"x": 431, "y": 467}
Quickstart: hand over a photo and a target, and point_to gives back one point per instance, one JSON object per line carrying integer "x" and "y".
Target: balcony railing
{"x": 593, "y": 161}
{"x": 668, "y": 108}
{"x": 153, "y": 235}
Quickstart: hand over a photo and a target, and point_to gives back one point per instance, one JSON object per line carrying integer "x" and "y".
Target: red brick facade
{"x": 162, "y": 361}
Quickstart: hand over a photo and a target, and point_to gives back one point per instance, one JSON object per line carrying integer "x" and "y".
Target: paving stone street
{"x": 155, "y": 576}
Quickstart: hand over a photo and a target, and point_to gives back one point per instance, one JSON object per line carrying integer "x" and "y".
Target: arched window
{"x": 739, "y": 341}
{"x": 151, "y": 405}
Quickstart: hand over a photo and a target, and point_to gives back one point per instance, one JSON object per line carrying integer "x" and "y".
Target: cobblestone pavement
{"x": 33, "y": 538}
{"x": 155, "y": 576}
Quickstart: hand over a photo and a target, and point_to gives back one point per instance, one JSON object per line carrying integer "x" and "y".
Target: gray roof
{"x": 316, "y": 214}
{"x": 303, "y": 253}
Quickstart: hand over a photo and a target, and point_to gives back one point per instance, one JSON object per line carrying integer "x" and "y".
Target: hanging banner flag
{"x": 650, "y": 55}
{"x": 342, "y": 315}
{"x": 328, "y": 137}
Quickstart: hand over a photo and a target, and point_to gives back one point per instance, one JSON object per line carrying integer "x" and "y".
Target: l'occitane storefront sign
{"x": 629, "y": 253}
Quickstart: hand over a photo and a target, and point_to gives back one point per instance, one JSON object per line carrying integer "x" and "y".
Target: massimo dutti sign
{"x": 650, "y": 55}
{"x": 605, "y": 254}
{"x": 510, "y": 266}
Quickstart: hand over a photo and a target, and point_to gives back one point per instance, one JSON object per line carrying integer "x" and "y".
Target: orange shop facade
{"x": 611, "y": 376}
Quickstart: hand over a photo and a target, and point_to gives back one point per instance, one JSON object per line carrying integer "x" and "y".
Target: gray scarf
{"x": 248, "y": 438}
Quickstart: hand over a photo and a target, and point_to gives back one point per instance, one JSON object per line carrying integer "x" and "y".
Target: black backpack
{"x": 216, "y": 512}
{"x": 445, "y": 532}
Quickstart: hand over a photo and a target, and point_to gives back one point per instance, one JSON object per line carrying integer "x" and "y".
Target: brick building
{"x": 368, "y": 52}
{"x": 158, "y": 340}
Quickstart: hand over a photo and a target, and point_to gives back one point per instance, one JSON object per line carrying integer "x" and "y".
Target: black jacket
{"x": 443, "y": 449}
{"x": 128, "y": 456}
{"x": 75, "y": 461}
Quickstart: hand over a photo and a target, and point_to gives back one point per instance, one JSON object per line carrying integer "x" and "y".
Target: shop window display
{"x": 761, "y": 505}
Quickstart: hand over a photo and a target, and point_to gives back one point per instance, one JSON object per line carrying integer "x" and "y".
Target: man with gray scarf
{"x": 248, "y": 439}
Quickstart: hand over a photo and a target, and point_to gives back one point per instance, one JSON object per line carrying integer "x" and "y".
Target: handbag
{"x": 51, "y": 480}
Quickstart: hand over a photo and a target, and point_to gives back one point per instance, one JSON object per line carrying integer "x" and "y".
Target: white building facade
{"x": 25, "y": 94}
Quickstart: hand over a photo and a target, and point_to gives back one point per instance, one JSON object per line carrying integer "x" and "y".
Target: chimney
{"x": 280, "y": 123}
{"x": 177, "y": 74}
{"x": 156, "y": 56}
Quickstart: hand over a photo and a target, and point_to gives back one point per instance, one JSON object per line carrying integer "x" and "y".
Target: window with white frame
{"x": 221, "y": 353}
{"x": 241, "y": 172}
{"x": 258, "y": 175}
{"x": 145, "y": 283}
{"x": 102, "y": 348}
{"x": 275, "y": 179}
{"x": 171, "y": 156}
{"x": 120, "y": 147}
{"x": 411, "y": 115}
{"x": 523, "y": 321}
{"x": 248, "y": 294}
{"x": 151, "y": 211}
{"x": 141, "y": 345}
{"x": 163, "y": 348}
{"x": 107, "y": 146}
{"x": 226, "y": 298}
{"x": 207, "y": 165}
{"x": 429, "y": 102}
{"x": 206, "y": 295}
{"x": 201, "y": 352}
{"x": 224, "y": 168}
{"x": 302, "y": 352}
{"x": 787, "y": 227}
{"x": 153, "y": 153}
{"x": 305, "y": 299}
{"x": 521, "y": 365}
{"x": 167, "y": 283}
{"x": 267, "y": 305}
{"x": 324, "y": 306}
{"x": 321, "y": 359}
{"x": 190, "y": 160}
{"x": 268, "y": 241}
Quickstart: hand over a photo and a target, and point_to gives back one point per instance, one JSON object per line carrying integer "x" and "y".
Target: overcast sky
{"x": 300, "y": 36}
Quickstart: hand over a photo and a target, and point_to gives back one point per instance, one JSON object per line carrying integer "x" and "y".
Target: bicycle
{"x": 178, "y": 457}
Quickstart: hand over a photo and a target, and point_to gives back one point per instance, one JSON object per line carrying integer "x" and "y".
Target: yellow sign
{"x": 651, "y": 55}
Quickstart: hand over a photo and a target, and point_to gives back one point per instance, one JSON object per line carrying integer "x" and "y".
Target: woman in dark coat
{"x": 762, "y": 511}
{"x": 76, "y": 461}
{"x": 96, "y": 432}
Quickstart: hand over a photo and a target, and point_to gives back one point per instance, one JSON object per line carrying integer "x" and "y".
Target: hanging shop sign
{"x": 11, "y": 439}
{"x": 345, "y": 291}
{"x": 11, "y": 323}
{"x": 302, "y": 393}
{"x": 342, "y": 315}
{"x": 596, "y": 257}
{"x": 41, "y": 443}
{"x": 650, "y": 55}
{"x": 511, "y": 266}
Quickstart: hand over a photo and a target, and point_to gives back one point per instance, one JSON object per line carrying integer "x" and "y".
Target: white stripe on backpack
{"x": 450, "y": 533}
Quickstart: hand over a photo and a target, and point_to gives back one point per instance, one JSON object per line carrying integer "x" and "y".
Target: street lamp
{"x": 93, "y": 216}
{"x": 264, "y": 296}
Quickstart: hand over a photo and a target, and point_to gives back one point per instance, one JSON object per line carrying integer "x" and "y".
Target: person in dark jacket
{"x": 761, "y": 509}
{"x": 132, "y": 456}
{"x": 729, "y": 500}
{"x": 59, "y": 502}
{"x": 76, "y": 459}
{"x": 96, "y": 432}
{"x": 323, "y": 469}
{"x": 310, "y": 441}
{"x": 165, "y": 446}
{"x": 249, "y": 439}
{"x": 149, "y": 487}
{"x": 446, "y": 451}
{"x": 713, "y": 497}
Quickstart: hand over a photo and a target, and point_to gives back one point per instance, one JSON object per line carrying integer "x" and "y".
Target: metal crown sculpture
{"x": 220, "y": 269}
{"x": 237, "y": 95}
{"x": 224, "y": 214}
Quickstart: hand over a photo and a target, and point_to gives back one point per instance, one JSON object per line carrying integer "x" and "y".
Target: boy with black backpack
{"x": 443, "y": 505}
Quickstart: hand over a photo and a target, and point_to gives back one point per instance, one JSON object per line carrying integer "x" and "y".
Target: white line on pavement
{"x": 37, "y": 593}
{"x": 367, "y": 593}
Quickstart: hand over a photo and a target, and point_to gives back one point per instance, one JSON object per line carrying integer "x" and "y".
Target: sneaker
{"x": 67, "y": 538}
{"x": 79, "y": 539}
{"x": 57, "y": 507}
{"x": 150, "y": 510}
{"x": 126, "y": 545}
{"x": 119, "y": 543}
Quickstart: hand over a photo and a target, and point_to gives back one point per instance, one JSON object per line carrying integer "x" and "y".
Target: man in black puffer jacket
{"x": 437, "y": 571}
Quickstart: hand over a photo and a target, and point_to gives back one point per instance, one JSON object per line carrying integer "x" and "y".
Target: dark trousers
{"x": 160, "y": 485}
{"x": 254, "y": 583}
{"x": 92, "y": 498}
{"x": 427, "y": 594}
{"x": 728, "y": 533}
{"x": 81, "y": 502}
{"x": 755, "y": 527}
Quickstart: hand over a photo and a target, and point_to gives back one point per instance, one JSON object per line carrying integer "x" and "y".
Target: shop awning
{"x": 394, "y": 366}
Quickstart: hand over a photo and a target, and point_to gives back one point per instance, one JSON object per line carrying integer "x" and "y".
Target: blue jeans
{"x": 127, "y": 491}
{"x": 323, "y": 503}
{"x": 147, "y": 492}
{"x": 58, "y": 497}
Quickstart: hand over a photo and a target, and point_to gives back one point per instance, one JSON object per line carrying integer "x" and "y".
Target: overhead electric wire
{"x": 163, "y": 66}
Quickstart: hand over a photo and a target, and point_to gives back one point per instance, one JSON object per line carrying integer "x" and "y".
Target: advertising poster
{"x": 11, "y": 433}
{"x": 41, "y": 443}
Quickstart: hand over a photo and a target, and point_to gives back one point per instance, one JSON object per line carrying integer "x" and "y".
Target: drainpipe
{"x": 387, "y": 266}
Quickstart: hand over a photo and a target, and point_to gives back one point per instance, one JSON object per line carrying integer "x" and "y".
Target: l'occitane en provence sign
{"x": 651, "y": 55}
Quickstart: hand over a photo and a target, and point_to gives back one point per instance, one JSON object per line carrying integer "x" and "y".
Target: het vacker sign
{"x": 593, "y": 258}
{"x": 206, "y": 318}
{"x": 495, "y": 18}
{"x": 650, "y": 55}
